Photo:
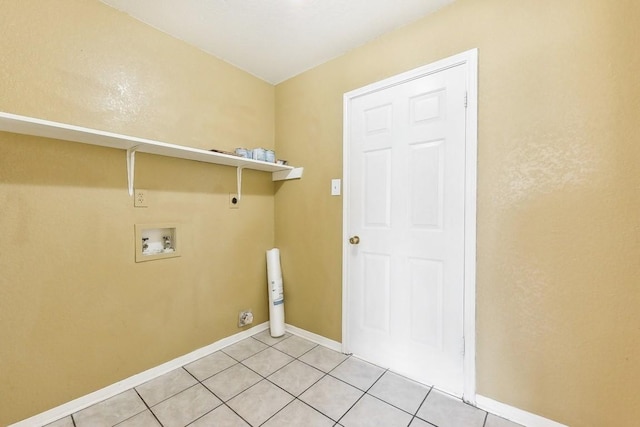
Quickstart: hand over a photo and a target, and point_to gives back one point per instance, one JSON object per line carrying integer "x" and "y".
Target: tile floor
{"x": 289, "y": 381}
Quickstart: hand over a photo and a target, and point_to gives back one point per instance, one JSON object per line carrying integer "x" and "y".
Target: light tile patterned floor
{"x": 281, "y": 382}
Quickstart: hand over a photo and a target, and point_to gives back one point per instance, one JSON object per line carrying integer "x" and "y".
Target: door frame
{"x": 468, "y": 59}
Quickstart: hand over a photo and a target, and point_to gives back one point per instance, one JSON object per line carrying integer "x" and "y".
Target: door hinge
{"x": 466, "y": 99}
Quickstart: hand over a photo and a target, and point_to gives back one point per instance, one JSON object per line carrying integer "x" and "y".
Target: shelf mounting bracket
{"x": 131, "y": 167}
{"x": 239, "y": 181}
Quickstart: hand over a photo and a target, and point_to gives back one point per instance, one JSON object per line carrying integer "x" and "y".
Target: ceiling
{"x": 276, "y": 39}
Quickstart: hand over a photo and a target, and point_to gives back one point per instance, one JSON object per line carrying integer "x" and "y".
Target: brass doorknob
{"x": 354, "y": 240}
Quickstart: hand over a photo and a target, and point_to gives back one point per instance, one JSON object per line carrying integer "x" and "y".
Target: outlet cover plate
{"x": 234, "y": 203}
{"x": 140, "y": 198}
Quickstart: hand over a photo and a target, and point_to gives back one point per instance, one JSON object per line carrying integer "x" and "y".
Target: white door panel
{"x": 406, "y": 203}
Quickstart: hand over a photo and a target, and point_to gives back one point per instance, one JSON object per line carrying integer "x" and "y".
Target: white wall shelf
{"x": 37, "y": 127}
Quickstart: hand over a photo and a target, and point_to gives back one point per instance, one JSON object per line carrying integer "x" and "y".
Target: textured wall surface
{"x": 558, "y": 200}
{"x": 558, "y": 324}
{"x": 76, "y": 312}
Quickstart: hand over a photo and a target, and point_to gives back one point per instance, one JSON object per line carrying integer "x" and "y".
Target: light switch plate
{"x": 335, "y": 187}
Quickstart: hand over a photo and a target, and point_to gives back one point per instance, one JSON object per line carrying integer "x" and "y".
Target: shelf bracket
{"x": 239, "y": 181}
{"x": 131, "y": 167}
{"x": 295, "y": 173}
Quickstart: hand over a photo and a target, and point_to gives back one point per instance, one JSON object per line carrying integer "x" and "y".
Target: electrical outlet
{"x": 245, "y": 318}
{"x": 234, "y": 202}
{"x": 140, "y": 199}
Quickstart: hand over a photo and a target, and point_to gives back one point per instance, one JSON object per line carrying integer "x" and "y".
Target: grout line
{"x": 350, "y": 407}
{"x": 279, "y": 339}
{"x": 219, "y": 372}
{"x": 238, "y": 393}
{"x": 253, "y": 385}
{"x": 357, "y": 400}
{"x": 420, "y": 406}
{"x": 321, "y": 413}
{"x": 366, "y": 392}
{"x": 296, "y": 357}
{"x": 335, "y": 367}
{"x": 280, "y": 410}
{"x": 239, "y": 416}
{"x": 205, "y": 414}
{"x": 301, "y": 393}
{"x": 207, "y": 388}
{"x": 324, "y": 374}
{"x": 148, "y": 407}
{"x": 293, "y": 358}
{"x": 391, "y": 404}
{"x": 168, "y": 397}
{"x": 296, "y": 398}
{"x": 376, "y": 381}
{"x": 259, "y": 374}
{"x": 240, "y": 361}
{"x": 193, "y": 376}
{"x": 223, "y": 403}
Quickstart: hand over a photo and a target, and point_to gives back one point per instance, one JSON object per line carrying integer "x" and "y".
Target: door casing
{"x": 469, "y": 59}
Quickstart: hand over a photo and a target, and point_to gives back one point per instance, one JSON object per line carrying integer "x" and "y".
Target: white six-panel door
{"x": 405, "y": 264}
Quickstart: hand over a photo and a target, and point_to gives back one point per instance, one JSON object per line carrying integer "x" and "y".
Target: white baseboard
{"x": 522, "y": 417}
{"x": 318, "y": 339}
{"x": 135, "y": 380}
{"x": 514, "y": 414}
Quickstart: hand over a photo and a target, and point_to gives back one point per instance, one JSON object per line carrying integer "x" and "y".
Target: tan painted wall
{"x": 558, "y": 200}
{"x": 76, "y": 312}
{"x": 558, "y": 246}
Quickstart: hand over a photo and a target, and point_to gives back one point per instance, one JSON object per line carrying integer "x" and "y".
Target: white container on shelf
{"x": 259, "y": 154}
{"x": 270, "y": 156}
{"x": 243, "y": 152}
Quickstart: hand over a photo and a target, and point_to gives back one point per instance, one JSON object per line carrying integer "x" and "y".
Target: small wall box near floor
{"x": 157, "y": 241}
